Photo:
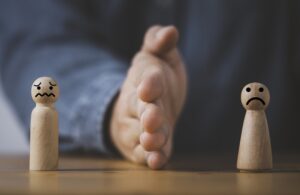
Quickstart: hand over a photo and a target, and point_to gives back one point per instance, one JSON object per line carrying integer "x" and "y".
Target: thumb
{"x": 160, "y": 40}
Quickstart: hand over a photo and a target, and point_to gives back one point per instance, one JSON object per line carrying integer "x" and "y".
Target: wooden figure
{"x": 44, "y": 125}
{"x": 255, "y": 153}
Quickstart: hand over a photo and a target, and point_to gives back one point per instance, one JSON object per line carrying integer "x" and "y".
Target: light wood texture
{"x": 255, "y": 153}
{"x": 44, "y": 125}
{"x": 184, "y": 175}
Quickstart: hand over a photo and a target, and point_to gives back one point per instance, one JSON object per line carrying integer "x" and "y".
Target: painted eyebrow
{"x": 52, "y": 84}
{"x": 38, "y": 84}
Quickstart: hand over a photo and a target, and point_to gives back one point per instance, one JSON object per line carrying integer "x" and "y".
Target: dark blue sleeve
{"x": 58, "y": 39}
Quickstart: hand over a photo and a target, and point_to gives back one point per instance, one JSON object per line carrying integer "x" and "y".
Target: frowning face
{"x": 255, "y": 96}
{"x": 44, "y": 90}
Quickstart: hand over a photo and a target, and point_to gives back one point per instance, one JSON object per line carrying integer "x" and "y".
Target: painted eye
{"x": 261, "y": 89}
{"x": 38, "y": 86}
{"x": 248, "y": 89}
{"x": 50, "y": 87}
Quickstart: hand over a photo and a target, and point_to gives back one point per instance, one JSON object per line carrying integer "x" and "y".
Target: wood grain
{"x": 184, "y": 175}
{"x": 44, "y": 125}
{"x": 255, "y": 151}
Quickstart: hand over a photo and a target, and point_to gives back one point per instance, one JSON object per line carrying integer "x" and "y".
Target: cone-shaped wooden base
{"x": 255, "y": 153}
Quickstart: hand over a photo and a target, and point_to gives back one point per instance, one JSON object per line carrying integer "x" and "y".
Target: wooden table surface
{"x": 185, "y": 175}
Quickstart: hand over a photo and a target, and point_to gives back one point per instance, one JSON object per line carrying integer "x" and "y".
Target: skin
{"x": 150, "y": 100}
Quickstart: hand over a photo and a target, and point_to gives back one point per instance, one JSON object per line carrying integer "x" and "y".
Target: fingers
{"x": 139, "y": 155}
{"x": 155, "y": 129}
{"x": 159, "y": 40}
{"x": 145, "y": 89}
{"x": 151, "y": 87}
{"x": 152, "y": 121}
{"x": 152, "y": 118}
{"x": 129, "y": 136}
{"x": 143, "y": 65}
{"x": 162, "y": 43}
{"x": 147, "y": 85}
{"x": 153, "y": 141}
{"x": 154, "y": 160}
{"x": 153, "y": 70}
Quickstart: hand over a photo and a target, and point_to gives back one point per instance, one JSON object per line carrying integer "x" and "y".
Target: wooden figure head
{"x": 255, "y": 96}
{"x": 44, "y": 90}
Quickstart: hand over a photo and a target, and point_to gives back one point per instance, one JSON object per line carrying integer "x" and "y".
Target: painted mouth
{"x": 256, "y": 98}
{"x": 45, "y": 94}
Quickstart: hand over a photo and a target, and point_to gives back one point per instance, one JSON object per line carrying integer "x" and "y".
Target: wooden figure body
{"x": 44, "y": 125}
{"x": 255, "y": 153}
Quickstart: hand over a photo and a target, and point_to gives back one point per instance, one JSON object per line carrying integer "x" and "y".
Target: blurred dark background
{"x": 225, "y": 45}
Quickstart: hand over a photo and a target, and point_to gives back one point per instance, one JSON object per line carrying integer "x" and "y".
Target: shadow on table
{"x": 227, "y": 163}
